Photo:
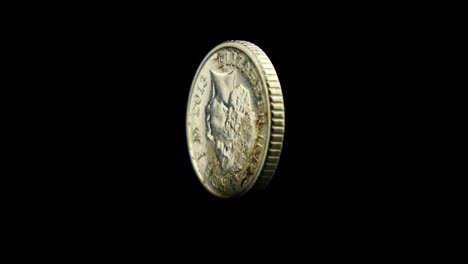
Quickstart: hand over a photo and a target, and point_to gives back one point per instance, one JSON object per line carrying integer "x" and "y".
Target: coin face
{"x": 235, "y": 120}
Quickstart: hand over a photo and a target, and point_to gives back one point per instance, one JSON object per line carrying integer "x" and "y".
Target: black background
{"x": 104, "y": 165}
{"x": 118, "y": 102}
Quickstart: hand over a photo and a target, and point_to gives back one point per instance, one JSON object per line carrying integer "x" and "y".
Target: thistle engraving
{"x": 229, "y": 121}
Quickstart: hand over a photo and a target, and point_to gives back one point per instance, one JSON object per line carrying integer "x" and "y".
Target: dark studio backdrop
{"x": 111, "y": 168}
{"x": 106, "y": 91}
{"x": 124, "y": 153}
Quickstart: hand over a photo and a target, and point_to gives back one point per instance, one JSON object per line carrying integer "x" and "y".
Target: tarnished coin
{"x": 235, "y": 119}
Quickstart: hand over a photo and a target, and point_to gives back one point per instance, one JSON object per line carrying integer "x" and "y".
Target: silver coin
{"x": 235, "y": 120}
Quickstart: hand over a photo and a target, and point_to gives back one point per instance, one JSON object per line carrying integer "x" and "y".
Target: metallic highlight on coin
{"x": 235, "y": 120}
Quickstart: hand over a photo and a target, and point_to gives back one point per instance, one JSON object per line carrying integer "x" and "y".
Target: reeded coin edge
{"x": 276, "y": 114}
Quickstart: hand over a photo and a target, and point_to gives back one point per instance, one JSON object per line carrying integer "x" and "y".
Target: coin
{"x": 235, "y": 120}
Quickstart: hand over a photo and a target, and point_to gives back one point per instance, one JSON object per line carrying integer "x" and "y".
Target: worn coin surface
{"x": 235, "y": 120}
